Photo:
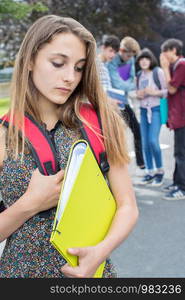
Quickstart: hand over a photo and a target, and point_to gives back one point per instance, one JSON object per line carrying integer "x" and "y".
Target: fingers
{"x": 85, "y": 268}
{"x": 59, "y": 176}
{"x": 68, "y": 271}
{"x": 71, "y": 272}
{"x": 77, "y": 251}
{"x": 36, "y": 171}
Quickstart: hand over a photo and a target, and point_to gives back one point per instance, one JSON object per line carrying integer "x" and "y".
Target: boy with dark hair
{"x": 170, "y": 44}
{"x": 111, "y": 41}
{"x": 173, "y": 65}
{"x": 109, "y": 48}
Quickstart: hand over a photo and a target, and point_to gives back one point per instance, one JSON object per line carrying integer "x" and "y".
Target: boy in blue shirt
{"x": 122, "y": 74}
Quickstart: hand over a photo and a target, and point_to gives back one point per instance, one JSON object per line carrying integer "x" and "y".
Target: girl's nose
{"x": 69, "y": 75}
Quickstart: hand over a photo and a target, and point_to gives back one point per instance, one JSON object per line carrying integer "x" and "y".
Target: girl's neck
{"x": 49, "y": 113}
{"x": 50, "y": 122}
{"x": 146, "y": 71}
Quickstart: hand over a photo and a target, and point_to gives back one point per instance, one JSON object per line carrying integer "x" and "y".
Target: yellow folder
{"x": 86, "y": 205}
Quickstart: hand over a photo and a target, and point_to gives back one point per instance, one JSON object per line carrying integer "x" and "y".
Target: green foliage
{"x": 4, "y": 104}
{"x": 120, "y": 17}
{"x": 19, "y": 10}
{"x": 147, "y": 21}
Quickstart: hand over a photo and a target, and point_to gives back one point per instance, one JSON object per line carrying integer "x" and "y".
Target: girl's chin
{"x": 59, "y": 101}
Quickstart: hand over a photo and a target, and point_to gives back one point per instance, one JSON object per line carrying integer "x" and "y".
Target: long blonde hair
{"x": 24, "y": 94}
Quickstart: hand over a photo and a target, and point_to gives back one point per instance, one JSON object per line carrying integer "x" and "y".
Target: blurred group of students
{"x": 125, "y": 67}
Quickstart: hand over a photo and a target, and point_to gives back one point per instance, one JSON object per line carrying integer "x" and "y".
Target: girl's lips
{"x": 64, "y": 90}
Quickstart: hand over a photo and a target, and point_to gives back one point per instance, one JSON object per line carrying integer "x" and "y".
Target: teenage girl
{"x": 55, "y": 71}
{"x": 149, "y": 95}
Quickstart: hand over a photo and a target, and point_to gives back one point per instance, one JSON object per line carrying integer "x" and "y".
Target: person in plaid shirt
{"x": 109, "y": 50}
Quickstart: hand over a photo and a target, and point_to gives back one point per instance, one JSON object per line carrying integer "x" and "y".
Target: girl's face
{"x": 58, "y": 67}
{"x": 144, "y": 63}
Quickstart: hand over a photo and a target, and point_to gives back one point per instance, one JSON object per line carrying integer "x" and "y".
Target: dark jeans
{"x": 179, "y": 154}
{"x": 131, "y": 120}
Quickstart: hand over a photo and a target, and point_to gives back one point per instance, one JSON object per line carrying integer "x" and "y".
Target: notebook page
{"x": 72, "y": 171}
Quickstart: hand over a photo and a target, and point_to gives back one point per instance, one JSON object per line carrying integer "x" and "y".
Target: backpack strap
{"x": 2, "y": 206}
{"x": 138, "y": 74}
{"x": 96, "y": 142}
{"x": 156, "y": 78}
{"x": 41, "y": 146}
{"x": 42, "y": 150}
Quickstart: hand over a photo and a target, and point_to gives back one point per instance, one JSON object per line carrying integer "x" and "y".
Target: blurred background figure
{"x": 109, "y": 48}
{"x": 173, "y": 64}
{"x": 151, "y": 86}
{"x": 122, "y": 73}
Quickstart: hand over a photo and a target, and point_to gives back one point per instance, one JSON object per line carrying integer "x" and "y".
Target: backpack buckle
{"x": 2, "y": 206}
{"x": 104, "y": 165}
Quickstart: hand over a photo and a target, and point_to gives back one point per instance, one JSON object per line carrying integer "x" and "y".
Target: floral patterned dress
{"x": 28, "y": 252}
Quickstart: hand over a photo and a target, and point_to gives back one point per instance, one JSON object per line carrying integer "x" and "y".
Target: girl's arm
{"x": 163, "y": 91}
{"x": 163, "y": 82}
{"x": 149, "y": 91}
{"x": 127, "y": 210}
{"x": 123, "y": 223}
{"x": 15, "y": 216}
{"x": 140, "y": 94}
{"x": 42, "y": 194}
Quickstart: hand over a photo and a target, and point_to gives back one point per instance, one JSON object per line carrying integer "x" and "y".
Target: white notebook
{"x": 71, "y": 173}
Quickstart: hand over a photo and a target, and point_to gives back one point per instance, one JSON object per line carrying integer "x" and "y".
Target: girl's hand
{"x": 88, "y": 263}
{"x": 43, "y": 191}
{"x": 140, "y": 94}
{"x": 150, "y": 92}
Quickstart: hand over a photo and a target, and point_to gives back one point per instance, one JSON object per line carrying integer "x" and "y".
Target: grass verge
{"x": 4, "y": 104}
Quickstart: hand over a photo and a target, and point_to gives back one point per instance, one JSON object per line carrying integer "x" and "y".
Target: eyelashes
{"x": 56, "y": 65}
{"x": 77, "y": 69}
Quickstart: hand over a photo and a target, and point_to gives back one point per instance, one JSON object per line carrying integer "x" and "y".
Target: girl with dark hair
{"x": 149, "y": 94}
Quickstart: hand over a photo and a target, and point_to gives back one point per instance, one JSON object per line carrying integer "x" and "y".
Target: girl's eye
{"x": 79, "y": 69}
{"x": 57, "y": 65}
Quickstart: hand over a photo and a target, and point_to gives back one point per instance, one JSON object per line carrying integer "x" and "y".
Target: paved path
{"x": 156, "y": 246}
